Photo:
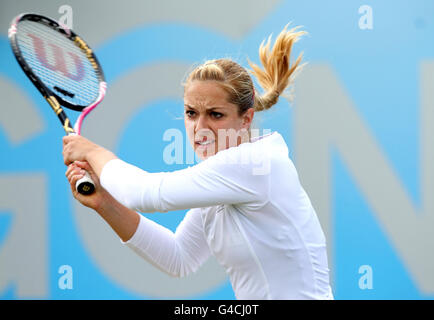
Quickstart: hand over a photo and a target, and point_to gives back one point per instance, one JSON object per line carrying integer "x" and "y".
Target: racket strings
{"x": 58, "y": 62}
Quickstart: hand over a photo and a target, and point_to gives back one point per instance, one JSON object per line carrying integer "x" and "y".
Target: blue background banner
{"x": 359, "y": 129}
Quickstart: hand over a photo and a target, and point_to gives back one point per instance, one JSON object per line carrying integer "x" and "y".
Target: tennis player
{"x": 247, "y": 206}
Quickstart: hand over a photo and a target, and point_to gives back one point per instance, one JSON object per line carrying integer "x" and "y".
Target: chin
{"x": 204, "y": 154}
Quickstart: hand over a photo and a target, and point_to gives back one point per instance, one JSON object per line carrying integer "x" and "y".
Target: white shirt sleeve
{"x": 216, "y": 181}
{"x": 176, "y": 254}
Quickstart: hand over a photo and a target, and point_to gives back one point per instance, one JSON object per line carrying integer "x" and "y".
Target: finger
{"x": 66, "y": 140}
{"x": 67, "y": 156}
{"x": 76, "y": 171}
{"x": 86, "y": 166}
{"x": 71, "y": 168}
{"x": 72, "y": 184}
{"x": 83, "y": 164}
{"x": 66, "y": 160}
{"x": 74, "y": 178}
{"x": 68, "y": 170}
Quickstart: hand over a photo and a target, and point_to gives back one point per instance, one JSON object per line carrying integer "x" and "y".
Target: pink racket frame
{"x": 88, "y": 109}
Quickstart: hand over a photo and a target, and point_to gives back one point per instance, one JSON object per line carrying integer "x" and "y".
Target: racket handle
{"x": 85, "y": 185}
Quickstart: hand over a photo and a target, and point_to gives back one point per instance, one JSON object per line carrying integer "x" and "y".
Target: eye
{"x": 190, "y": 113}
{"x": 216, "y": 115}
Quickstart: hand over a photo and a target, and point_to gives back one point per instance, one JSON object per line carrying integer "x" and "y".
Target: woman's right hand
{"x": 74, "y": 173}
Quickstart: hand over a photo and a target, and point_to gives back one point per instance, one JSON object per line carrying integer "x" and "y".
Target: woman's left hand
{"x": 77, "y": 148}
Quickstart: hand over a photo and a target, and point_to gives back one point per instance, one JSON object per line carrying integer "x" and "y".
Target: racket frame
{"x": 84, "y": 185}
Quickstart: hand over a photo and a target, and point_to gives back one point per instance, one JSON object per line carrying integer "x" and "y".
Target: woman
{"x": 247, "y": 207}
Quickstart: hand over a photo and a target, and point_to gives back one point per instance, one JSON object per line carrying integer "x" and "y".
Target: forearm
{"x": 121, "y": 219}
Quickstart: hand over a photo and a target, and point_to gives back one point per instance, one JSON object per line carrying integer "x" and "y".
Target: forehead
{"x": 205, "y": 94}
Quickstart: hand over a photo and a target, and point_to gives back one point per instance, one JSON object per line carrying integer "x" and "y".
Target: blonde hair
{"x": 275, "y": 77}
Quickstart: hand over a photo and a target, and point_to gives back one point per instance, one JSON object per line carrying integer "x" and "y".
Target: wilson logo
{"x": 60, "y": 64}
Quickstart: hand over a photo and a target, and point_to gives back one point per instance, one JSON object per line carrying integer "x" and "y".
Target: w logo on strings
{"x": 60, "y": 64}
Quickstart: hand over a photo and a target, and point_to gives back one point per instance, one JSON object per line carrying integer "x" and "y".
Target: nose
{"x": 202, "y": 129}
{"x": 201, "y": 123}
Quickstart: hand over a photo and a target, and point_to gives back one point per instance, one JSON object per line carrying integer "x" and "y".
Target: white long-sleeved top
{"x": 247, "y": 208}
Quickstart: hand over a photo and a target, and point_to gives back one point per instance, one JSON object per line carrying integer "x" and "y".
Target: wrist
{"x": 105, "y": 204}
{"x": 97, "y": 157}
{"x": 93, "y": 152}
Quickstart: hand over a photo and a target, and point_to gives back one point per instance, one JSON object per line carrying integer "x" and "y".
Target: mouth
{"x": 204, "y": 143}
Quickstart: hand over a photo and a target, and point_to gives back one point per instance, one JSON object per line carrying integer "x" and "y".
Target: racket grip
{"x": 85, "y": 185}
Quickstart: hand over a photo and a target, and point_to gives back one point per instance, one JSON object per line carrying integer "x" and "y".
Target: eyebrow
{"x": 208, "y": 109}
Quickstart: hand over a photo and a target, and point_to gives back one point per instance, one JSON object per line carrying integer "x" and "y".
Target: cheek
{"x": 233, "y": 137}
{"x": 189, "y": 129}
{"x": 232, "y": 123}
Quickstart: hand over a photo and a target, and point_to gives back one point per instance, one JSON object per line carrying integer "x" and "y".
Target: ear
{"x": 248, "y": 117}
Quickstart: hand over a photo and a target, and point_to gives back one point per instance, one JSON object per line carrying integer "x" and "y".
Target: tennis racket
{"x": 62, "y": 67}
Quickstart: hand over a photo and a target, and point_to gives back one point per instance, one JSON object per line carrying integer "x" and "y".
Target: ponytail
{"x": 277, "y": 73}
